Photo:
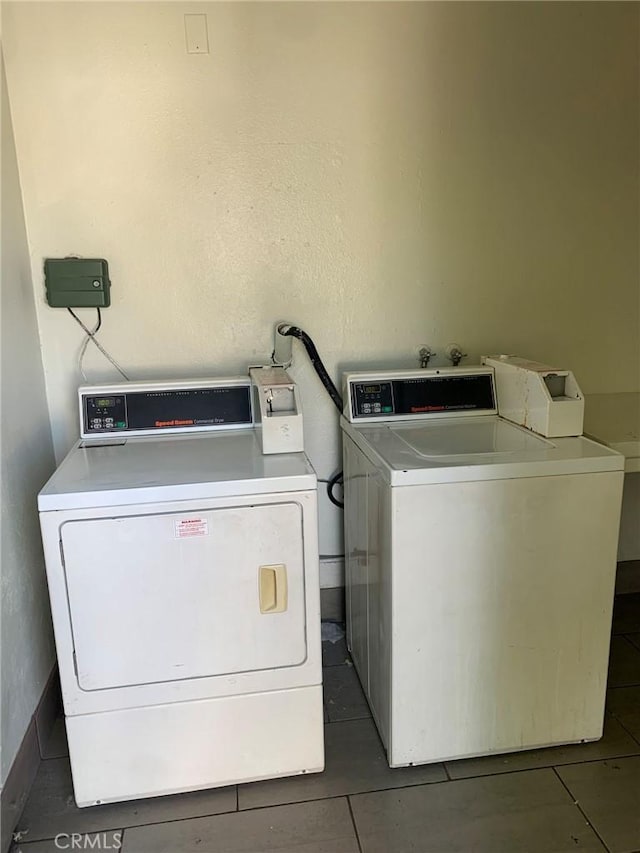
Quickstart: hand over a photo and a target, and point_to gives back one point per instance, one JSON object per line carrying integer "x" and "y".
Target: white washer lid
{"x": 450, "y": 439}
{"x": 150, "y": 470}
{"x": 482, "y": 448}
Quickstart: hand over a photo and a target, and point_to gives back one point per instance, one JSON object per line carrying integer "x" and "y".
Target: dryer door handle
{"x": 272, "y": 588}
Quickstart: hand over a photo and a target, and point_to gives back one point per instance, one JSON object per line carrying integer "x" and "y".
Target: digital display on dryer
{"x": 105, "y": 414}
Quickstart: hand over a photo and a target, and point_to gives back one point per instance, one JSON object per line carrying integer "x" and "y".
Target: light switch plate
{"x": 195, "y": 28}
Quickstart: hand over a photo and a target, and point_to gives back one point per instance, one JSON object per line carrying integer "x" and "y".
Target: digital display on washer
{"x": 423, "y": 395}
{"x": 167, "y": 409}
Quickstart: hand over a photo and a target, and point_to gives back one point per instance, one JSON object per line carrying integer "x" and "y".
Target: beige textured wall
{"x": 26, "y": 637}
{"x": 382, "y": 174}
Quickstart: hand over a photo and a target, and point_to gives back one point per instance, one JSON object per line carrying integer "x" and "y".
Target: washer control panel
{"x": 393, "y": 395}
{"x": 372, "y": 398}
{"x": 148, "y": 408}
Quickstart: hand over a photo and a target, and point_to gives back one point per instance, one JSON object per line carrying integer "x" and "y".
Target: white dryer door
{"x": 157, "y": 598}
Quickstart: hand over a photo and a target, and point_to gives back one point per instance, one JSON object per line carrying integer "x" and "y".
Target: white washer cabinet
{"x": 480, "y": 569}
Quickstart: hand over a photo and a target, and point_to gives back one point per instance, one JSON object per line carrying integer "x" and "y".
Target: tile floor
{"x": 578, "y": 798}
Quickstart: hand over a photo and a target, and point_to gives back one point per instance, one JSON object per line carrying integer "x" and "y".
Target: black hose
{"x": 336, "y": 480}
{"x": 294, "y": 331}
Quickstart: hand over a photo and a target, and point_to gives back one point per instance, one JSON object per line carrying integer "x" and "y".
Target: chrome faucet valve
{"x": 425, "y": 354}
{"x": 455, "y": 354}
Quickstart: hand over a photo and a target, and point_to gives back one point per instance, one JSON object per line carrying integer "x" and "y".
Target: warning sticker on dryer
{"x": 191, "y": 526}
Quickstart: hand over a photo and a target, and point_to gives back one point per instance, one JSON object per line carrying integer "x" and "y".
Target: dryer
{"x": 182, "y": 565}
{"x": 480, "y": 568}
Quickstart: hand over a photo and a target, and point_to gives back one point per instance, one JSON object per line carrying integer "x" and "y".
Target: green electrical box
{"x": 77, "y": 282}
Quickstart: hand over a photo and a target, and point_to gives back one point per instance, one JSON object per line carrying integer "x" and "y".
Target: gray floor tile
{"x": 624, "y": 663}
{"x": 624, "y": 704}
{"x": 56, "y": 746}
{"x": 334, "y": 654}
{"x": 615, "y": 742}
{"x": 51, "y": 808}
{"x": 609, "y": 795}
{"x": 528, "y": 812}
{"x": 355, "y": 762}
{"x": 343, "y": 696}
{"x": 626, "y": 614}
{"x": 321, "y": 827}
{"x": 95, "y": 841}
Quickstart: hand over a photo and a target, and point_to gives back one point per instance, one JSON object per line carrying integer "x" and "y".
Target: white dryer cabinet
{"x": 183, "y": 576}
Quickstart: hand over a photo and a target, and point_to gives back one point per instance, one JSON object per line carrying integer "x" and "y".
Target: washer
{"x": 480, "y": 568}
{"x": 182, "y": 565}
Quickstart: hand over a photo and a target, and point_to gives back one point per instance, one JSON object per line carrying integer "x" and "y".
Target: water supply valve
{"x": 455, "y": 354}
{"x": 425, "y": 354}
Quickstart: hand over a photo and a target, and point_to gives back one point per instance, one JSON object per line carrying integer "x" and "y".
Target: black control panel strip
{"x": 434, "y": 394}
{"x": 161, "y": 410}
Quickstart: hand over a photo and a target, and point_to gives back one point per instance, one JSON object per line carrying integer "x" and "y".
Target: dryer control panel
{"x": 149, "y": 408}
{"x": 445, "y": 392}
